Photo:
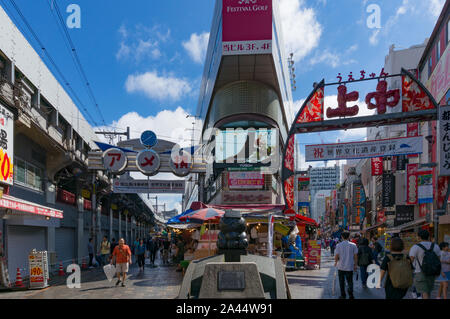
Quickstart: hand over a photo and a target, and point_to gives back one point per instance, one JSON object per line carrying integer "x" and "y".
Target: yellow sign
{"x": 280, "y": 228}
{"x": 85, "y": 193}
{"x": 114, "y": 207}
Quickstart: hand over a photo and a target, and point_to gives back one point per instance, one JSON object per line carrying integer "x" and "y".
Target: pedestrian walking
{"x": 365, "y": 258}
{"x": 346, "y": 260}
{"x": 105, "y": 249}
{"x": 397, "y": 268}
{"x": 153, "y": 249}
{"x": 426, "y": 263}
{"x": 140, "y": 253}
{"x": 133, "y": 248}
{"x": 113, "y": 245}
{"x": 166, "y": 248}
{"x": 445, "y": 275}
{"x": 91, "y": 252}
{"x": 122, "y": 259}
{"x": 333, "y": 244}
{"x": 376, "y": 249}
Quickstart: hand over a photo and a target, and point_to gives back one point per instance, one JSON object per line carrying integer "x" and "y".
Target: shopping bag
{"x": 110, "y": 271}
{"x": 94, "y": 262}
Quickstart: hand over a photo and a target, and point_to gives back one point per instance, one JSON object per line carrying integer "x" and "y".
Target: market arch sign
{"x": 417, "y": 105}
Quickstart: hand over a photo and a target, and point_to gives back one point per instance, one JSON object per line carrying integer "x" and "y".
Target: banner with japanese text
{"x": 377, "y": 166}
{"x": 314, "y": 252}
{"x": 365, "y": 149}
{"x": 444, "y": 141}
{"x": 412, "y": 184}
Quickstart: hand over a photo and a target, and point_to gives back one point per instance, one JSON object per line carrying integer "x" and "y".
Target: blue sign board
{"x": 149, "y": 139}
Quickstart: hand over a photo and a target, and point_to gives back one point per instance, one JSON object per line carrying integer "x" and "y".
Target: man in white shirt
{"x": 423, "y": 283}
{"x": 346, "y": 261}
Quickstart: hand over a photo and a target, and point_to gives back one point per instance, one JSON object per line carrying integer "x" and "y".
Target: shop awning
{"x": 306, "y": 220}
{"x": 13, "y": 203}
{"x": 251, "y": 207}
{"x": 184, "y": 226}
{"x": 372, "y": 227}
{"x": 405, "y": 226}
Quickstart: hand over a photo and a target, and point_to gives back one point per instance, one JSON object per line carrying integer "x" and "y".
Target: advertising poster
{"x": 377, "y": 166}
{"x": 403, "y": 214}
{"x": 314, "y": 252}
{"x": 245, "y": 180}
{"x": 247, "y": 27}
{"x": 6, "y": 146}
{"x": 425, "y": 186}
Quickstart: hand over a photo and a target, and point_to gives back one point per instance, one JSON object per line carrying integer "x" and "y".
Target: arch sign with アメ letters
{"x": 414, "y": 100}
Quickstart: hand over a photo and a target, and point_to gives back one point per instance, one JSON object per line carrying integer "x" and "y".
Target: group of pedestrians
{"x": 425, "y": 263}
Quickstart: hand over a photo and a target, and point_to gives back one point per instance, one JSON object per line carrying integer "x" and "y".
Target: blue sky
{"x": 133, "y": 51}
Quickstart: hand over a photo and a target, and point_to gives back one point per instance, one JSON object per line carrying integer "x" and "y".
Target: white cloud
{"x": 333, "y": 59}
{"x": 141, "y": 42}
{"x": 158, "y": 87}
{"x": 301, "y": 30}
{"x": 373, "y": 40}
{"x": 196, "y": 46}
{"x": 435, "y": 7}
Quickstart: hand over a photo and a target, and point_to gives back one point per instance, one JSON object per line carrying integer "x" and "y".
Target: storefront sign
{"x": 280, "y": 228}
{"x": 381, "y": 218}
{"x": 148, "y": 186}
{"x": 401, "y": 162}
{"x": 425, "y": 186}
{"x": 377, "y": 166}
{"x": 38, "y": 268}
{"x": 252, "y": 197}
{"x": 115, "y": 160}
{"x": 148, "y": 162}
{"x": 366, "y": 149}
{"x": 303, "y": 183}
{"x": 439, "y": 81}
{"x": 313, "y": 252}
{"x": 6, "y": 146}
{"x": 246, "y": 27}
{"x": 29, "y": 208}
{"x": 412, "y": 184}
{"x": 388, "y": 190}
{"x": 245, "y": 180}
{"x": 422, "y": 210}
{"x": 404, "y": 214}
{"x": 444, "y": 140}
{"x": 85, "y": 193}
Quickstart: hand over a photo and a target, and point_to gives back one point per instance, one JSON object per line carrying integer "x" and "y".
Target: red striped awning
{"x": 306, "y": 220}
{"x": 13, "y": 203}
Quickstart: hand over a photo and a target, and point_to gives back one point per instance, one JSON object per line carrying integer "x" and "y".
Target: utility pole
{"x": 112, "y": 135}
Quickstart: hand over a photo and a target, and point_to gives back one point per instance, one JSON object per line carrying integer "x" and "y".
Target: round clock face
{"x": 149, "y": 139}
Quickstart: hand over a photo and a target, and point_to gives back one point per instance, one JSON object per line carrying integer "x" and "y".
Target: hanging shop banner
{"x": 366, "y": 149}
{"x": 377, "y": 166}
{"x": 401, "y": 163}
{"x": 6, "y": 146}
{"x": 20, "y": 205}
{"x": 444, "y": 140}
{"x": 148, "y": 186}
{"x": 403, "y": 214}
{"x": 412, "y": 184}
{"x": 412, "y": 129}
{"x": 439, "y": 81}
{"x": 425, "y": 186}
{"x": 313, "y": 252}
{"x": 423, "y": 210}
{"x": 246, "y": 27}
{"x": 442, "y": 190}
{"x": 281, "y": 229}
{"x": 245, "y": 180}
{"x": 388, "y": 190}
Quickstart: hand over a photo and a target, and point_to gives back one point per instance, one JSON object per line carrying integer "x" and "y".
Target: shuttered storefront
{"x": 65, "y": 243}
{"x": 20, "y": 241}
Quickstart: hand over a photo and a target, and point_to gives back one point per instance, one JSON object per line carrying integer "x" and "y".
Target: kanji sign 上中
{"x": 148, "y": 162}
{"x": 364, "y": 149}
{"x": 115, "y": 160}
{"x": 444, "y": 138}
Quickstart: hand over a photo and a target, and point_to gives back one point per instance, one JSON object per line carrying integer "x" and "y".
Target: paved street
{"x": 163, "y": 282}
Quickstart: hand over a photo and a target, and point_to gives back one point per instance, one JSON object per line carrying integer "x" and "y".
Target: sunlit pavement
{"x": 318, "y": 284}
{"x": 162, "y": 282}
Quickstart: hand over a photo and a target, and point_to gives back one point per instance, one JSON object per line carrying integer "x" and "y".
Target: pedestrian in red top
{"x": 122, "y": 257}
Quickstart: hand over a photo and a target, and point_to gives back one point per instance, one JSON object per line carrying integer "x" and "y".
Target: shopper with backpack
{"x": 399, "y": 271}
{"x": 426, "y": 262}
{"x": 365, "y": 258}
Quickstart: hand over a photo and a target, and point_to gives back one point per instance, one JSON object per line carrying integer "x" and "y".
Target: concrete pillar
{"x": 126, "y": 230}
{"x": 98, "y": 228}
{"x": 110, "y": 224}
{"x": 11, "y": 72}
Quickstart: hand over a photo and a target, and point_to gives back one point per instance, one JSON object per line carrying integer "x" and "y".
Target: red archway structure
{"x": 417, "y": 105}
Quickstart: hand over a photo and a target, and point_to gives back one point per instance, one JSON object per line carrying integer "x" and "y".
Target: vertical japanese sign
{"x": 6, "y": 146}
{"x": 401, "y": 163}
{"x": 444, "y": 140}
{"x": 388, "y": 190}
{"x": 412, "y": 129}
{"x": 412, "y": 184}
{"x": 377, "y": 166}
{"x": 246, "y": 27}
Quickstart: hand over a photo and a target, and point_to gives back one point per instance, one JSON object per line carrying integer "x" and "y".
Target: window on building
{"x": 430, "y": 66}
{"x": 438, "y": 51}
{"x": 28, "y": 175}
{"x": 448, "y": 30}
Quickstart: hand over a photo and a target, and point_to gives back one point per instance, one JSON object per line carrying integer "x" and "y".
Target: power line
{"x": 77, "y": 61}
{"x": 50, "y": 59}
